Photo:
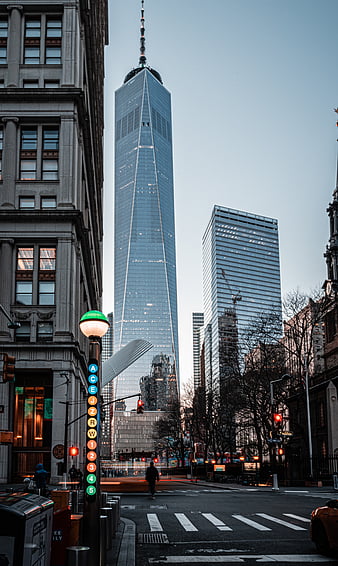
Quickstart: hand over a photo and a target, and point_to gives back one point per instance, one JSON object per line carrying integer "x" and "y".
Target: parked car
{"x": 324, "y": 527}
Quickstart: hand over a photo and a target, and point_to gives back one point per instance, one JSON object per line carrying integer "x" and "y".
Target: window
{"x": 32, "y": 41}
{"x": 30, "y": 84}
{"x": 26, "y": 202}
{"x": 52, "y": 84}
{"x": 35, "y": 275}
{"x": 39, "y": 153}
{"x": 45, "y": 332}
{"x": 48, "y": 202}
{"x": 43, "y": 40}
{"x": 3, "y": 41}
{"x": 23, "y": 333}
{"x": 1, "y": 145}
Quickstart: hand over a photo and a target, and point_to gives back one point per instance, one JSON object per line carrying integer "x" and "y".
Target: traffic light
{"x": 73, "y": 451}
{"x": 280, "y": 451}
{"x": 8, "y": 370}
{"x": 277, "y": 419}
{"x": 140, "y": 407}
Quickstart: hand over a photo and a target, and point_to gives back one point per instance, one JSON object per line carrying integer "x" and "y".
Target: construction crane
{"x": 235, "y": 297}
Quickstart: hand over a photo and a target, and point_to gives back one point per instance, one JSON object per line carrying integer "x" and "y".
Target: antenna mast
{"x": 143, "y": 58}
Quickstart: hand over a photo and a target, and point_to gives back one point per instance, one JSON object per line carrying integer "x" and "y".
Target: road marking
{"x": 242, "y": 558}
{"x": 128, "y": 506}
{"x": 251, "y": 523}
{"x": 219, "y": 524}
{"x": 280, "y": 522}
{"x": 186, "y": 524}
{"x": 297, "y": 517}
{"x": 154, "y": 523}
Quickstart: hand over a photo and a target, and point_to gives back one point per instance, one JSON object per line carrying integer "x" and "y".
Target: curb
{"x": 126, "y": 555}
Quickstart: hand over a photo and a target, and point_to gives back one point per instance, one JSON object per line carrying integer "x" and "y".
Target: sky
{"x": 254, "y": 84}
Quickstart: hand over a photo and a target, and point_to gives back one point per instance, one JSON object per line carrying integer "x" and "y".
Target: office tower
{"x": 107, "y": 393}
{"x": 145, "y": 301}
{"x": 241, "y": 280}
{"x": 51, "y": 104}
{"x": 197, "y": 340}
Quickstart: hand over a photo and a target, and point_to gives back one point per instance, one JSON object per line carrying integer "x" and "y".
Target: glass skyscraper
{"x": 145, "y": 296}
{"x": 241, "y": 280}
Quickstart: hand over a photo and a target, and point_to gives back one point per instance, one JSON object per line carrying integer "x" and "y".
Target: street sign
{"x": 91, "y": 478}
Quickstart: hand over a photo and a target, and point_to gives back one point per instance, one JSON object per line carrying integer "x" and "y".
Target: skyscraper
{"x": 241, "y": 279}
{"x": 145, "y": 296}
{"x": 197, "y": 330}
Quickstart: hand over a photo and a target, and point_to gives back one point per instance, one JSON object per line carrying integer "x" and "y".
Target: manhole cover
{"x": 153, "y": 538}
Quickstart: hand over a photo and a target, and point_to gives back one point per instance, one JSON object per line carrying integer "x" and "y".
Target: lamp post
{"x": 272, "y": 402}
{"x": 94, "y": 325}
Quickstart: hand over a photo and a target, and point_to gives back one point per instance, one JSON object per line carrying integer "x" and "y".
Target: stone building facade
{"x": 51, "y": 130}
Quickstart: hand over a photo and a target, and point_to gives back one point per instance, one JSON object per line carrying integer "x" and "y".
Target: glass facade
{"x": 241, "y": 279}
{"x": 145, "y": 296}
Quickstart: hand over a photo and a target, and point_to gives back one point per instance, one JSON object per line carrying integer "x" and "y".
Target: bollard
{"x": 103, "y": 539}
{"x": 108, "y": 512}
{"x": 118, "y": 499}
{"x": 104, "y": 499}
{"x": 77, "y": 555}
{"x": 115, "y": 521}
{"x": 74, "y": 501}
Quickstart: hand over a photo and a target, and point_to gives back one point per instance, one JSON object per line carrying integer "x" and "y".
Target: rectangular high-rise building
{"x": 145, "y": 296}
{"x": 197, "y": 329}
{"x": 241, "y": 280}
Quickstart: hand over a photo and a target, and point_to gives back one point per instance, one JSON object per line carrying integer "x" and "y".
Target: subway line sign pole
{"x": 93, "y": 325}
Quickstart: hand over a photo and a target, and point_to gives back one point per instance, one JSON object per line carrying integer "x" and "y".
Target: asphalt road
{"x": 201, "y": 525}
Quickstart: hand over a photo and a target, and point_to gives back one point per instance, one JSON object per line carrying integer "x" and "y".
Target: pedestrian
{"x": 79, "y": 477}
{"x": 152, "y": 476}
{"x": 40, "y": 478}
{"x": 72, "y": 473}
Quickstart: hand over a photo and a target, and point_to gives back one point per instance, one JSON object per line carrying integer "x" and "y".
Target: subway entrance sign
{"x": 93, "y": 420}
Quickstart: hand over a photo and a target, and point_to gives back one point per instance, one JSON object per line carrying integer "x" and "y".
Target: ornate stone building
{"x": 51, "y": 131}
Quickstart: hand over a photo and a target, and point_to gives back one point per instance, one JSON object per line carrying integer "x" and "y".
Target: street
{"x": 198, "y": 524}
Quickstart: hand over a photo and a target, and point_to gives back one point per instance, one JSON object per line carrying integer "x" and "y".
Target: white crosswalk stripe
{"x": 280, "y": 522}
{"x": 292, "y": 516}
{"x": 217, "y": 522}
{"x": 154, "y": 523}
{"x": 185, "y": 522}
{"x": 251, "y": 523}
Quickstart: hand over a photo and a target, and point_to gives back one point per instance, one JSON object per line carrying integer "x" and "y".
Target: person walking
{"x": 40, "y": 478}
{"x": 152, "y": 476}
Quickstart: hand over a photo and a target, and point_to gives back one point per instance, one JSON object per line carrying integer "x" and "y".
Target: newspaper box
{"x": 26, "y": 529}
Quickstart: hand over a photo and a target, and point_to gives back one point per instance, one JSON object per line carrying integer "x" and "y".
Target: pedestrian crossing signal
{"x": 140, "y": 407}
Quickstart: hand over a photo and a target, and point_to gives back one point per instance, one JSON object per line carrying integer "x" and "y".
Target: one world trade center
{"x": 145, "y": 295}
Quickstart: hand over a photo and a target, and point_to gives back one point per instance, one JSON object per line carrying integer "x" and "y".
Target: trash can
{"x": 26, "y": 529}
{"x": 60, "y": 536}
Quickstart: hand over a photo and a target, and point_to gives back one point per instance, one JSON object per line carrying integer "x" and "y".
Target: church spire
{"x": 143, "y": 59}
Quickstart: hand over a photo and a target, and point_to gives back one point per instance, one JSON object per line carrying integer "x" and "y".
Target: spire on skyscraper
{"x": 143, "y": 58}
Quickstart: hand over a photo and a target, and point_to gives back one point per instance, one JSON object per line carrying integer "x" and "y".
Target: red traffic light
{"x": 277, "y": 418}
{"x": 280, "y": 451}
{"x": 8, "y": 370}
{"x": 140, "y": 406}
{"x": 73, "y": 451}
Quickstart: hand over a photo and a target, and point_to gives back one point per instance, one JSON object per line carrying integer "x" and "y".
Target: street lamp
{"x": 93, "y": 325}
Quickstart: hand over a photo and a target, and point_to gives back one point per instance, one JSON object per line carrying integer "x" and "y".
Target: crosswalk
{"x": 257, "y": 521}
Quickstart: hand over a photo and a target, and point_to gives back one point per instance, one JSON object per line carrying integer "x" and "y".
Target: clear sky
{"x": 253, "y": 84}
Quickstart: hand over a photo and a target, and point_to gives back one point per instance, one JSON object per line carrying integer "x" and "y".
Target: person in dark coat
{"x": 40, "y": 478}
{"x": 152, "y": 476}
